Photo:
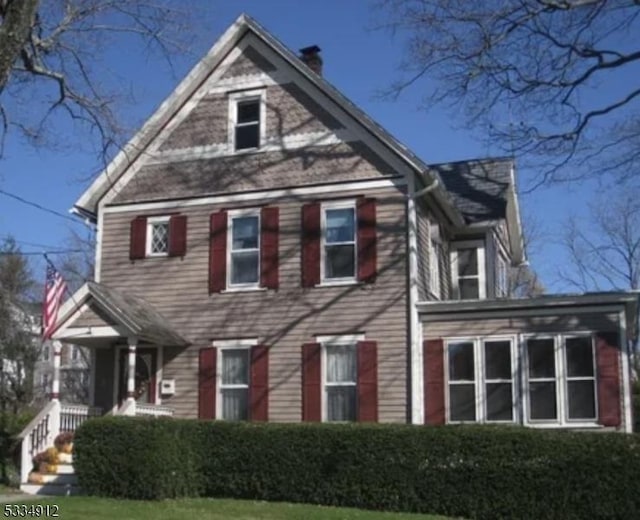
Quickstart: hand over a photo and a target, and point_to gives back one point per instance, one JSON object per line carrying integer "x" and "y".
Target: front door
{"x": 145, "y": 379}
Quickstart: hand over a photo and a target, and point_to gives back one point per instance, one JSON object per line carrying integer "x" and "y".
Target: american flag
{"x": 53, "y": 291}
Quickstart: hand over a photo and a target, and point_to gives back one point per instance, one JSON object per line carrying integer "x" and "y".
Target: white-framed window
{"x": 233, "y": 379}
{"x": 561, "y": 379}
{"x": 75, "y": 353}
{"x": 46, "y": 353}
{"x": 481, "y": 382}
{"x": 45, "y": 379}
{"x": 502, "y": 277}
{"x": 157, "y": 236}
{"x": 434, "y": 261}
{"x": 247, "y": 112}
{"x": 468, "y": 270}
{"x": 339, "y": 378}
{"x": 243, "y": 257}
{"x": 339, "y": 241}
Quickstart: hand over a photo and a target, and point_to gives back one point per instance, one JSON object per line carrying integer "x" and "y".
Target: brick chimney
{"x": 311, "y": 57}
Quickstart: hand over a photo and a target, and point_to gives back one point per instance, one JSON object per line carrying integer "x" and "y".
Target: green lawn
{"x": 81, "y": 508}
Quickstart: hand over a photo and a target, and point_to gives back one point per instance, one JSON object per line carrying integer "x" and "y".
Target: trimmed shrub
{"x": 477, "y": 472}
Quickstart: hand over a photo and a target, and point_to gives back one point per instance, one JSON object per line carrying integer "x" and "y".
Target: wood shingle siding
{"x": 284, "y": 319}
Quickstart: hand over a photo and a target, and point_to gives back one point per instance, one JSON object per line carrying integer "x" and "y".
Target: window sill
{"x": 564, "y": 425}
{"x": 243, "y": 289}
{"x": 157, "y": 255}
{"x": 339, "y": 283}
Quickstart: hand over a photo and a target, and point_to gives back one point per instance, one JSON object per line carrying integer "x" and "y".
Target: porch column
{"x": 55, "y": 385}
{"x": 131, "y": 373}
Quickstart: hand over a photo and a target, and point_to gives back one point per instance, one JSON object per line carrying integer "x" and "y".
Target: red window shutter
{"x": 207, "y": 383}
{"x": 434, "y": 412}
{"x": 218, "y": 252}
{"x": 177, "y": 235}
{"x": 138, "y": 238}
{"x": 259, "y": 384}
{"x": 367, "y": 381}
{"x": 310, "y": 244}
{"x": 608, "y": 371}
{"x": 269, "y": 248}
{"x": 311, "y": 383}
{"x": 367, "y": 256}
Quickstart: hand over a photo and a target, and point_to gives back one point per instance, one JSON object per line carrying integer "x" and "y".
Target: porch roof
{"x": 549, "y": 303}
{"x": 124, "y": 315}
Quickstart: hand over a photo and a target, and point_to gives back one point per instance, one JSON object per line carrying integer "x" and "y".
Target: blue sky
{"x": 357, "y": 60}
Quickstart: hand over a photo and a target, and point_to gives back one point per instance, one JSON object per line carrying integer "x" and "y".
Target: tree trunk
{"x": 18, "y": 18}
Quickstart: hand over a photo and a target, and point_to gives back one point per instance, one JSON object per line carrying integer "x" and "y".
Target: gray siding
{"x": 283, "y": 319}
{"x": 577, "y": 322}
{"x": 93, "y": 317}
{"x": 250, "y": 62}
{"x": 257, "y": 171}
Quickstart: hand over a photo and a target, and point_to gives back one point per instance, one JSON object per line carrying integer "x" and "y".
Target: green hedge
{"x": 476, "y": 472}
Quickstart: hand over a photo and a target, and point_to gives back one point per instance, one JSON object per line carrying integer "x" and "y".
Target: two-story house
{"x": 268, "y": 252}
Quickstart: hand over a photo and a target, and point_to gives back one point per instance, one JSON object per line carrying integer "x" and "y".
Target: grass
{"x": 81, "y": 508}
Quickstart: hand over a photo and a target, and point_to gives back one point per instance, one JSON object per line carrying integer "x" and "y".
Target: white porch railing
{"x": 40, "y": 433}
{"x": 153, "y": 410}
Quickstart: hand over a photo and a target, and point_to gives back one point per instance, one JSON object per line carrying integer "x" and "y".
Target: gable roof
{"x": 87, "y": 204}
{"x": 138, "y": 317}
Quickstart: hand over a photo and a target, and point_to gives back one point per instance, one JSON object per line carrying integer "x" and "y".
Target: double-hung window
{"x": 158, "y": 236}
{"x": 234, "y": 384}
{"x": 340, "y": 381}
{"x": 339, "y": 241}
{"x": 481, "y": 380}
{"x": 244, "y": 249}
{"x": 561, "y": 379}
{"x": 247, "y": 113}
{"x": 468, "y": 271}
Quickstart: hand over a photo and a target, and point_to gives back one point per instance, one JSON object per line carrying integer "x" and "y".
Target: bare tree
{"x": 53, "y": 58}
{"x": 554, "y": 81}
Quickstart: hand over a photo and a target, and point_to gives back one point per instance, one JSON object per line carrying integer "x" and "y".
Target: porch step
{"x": 50, "y": 489}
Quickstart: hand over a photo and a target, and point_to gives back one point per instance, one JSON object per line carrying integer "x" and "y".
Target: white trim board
{"x": 257, "y": 196}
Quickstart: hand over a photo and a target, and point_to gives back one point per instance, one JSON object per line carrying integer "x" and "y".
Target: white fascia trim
{"x": 235, "y": 343}
{"x": 415, "y": 327}
{"x": 272, "y": 144}
{"x": 98, "y": 253}
{"x": 339, "y": 339}
{"x": 164, "y": 112}
{"x": 258, "y": 196}
{"x": 90, "y": 332}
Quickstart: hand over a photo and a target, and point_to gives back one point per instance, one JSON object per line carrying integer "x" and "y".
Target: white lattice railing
{"x": 153, "y": 410}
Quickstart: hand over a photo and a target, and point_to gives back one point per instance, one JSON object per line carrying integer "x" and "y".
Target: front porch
{"x": 126, "y": 337}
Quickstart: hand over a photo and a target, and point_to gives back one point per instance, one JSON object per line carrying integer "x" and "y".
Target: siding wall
{"x": 283, "y": 319}
{"x": 93, "y": 317}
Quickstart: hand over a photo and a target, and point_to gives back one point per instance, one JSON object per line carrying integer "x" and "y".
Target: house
{"x": 267, "y": 252}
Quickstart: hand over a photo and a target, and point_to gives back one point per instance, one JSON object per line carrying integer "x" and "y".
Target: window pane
{"x": 542, "y": 400}
{"x": 579, "y": 357}
{"x": 341, "y": 364}
{"x": 497, "y": 358}
{"x": 540, "y": 353}
{"x": 582, "y": 404}
{"x": 248, "y": 111}
{"x": 340, "y": 225}
{"x": 468, "y": 262}
{"x": 462, "y": 402}
{"x": 245, "y": 233}
{"x": 235, "y": 367}
{"x": 339, "y": 261}
{"x": 341, "y": 403}
{"x": 499, "y": 402}
{"x": 244, "y": 267}
{"x": 461, "y": 362}
{"x": 469, "y": 289}
{"x": 247, "y": 137}
{"x": 160, "y": 237}
{"x": 234, "y": 404}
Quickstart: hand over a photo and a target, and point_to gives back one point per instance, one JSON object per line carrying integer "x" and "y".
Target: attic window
{"x": 247, "y": 120}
